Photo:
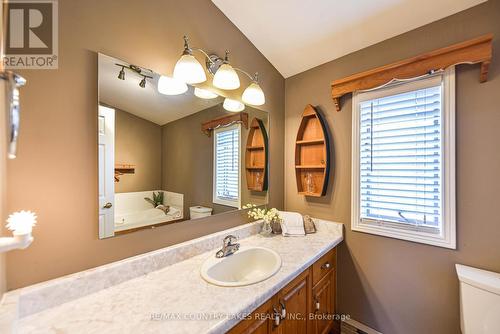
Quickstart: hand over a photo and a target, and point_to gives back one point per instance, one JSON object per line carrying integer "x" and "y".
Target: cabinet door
{"x": 323, "y": 304}
{"x": 261, "y": 321}
{"x": 295, "y": 299}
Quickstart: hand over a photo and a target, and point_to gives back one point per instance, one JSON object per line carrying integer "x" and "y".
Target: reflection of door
{"x": 106, "y": 131}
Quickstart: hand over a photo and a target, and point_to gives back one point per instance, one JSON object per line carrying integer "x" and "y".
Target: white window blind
{"x": 403, "y": 177}
{"x": 227, "y": 165}
{"x": 400, "y": 158}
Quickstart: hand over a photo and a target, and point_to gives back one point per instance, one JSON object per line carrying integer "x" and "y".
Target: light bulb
{"x": 254, "y": 95}
{"x": 189, "y": 70}
{"x": 204, "y": 93}
{"x": 21, "y": 222}
{"x": 233, "y": 105}
{"x": 171, "y": 86}
{"x": 226, "y": 78}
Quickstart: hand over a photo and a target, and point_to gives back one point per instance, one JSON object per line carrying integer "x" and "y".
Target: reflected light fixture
{"x": 142, "y": 84}
{"x": 121, "y": 75}
{"x": 171, "y": 86}
{"x": 233, "y": 105}
{"x": 188, "y": 69}
{"x": 253, "y": 94}
{"x": 226, "y": 77}
{"x": 204, "y": 93}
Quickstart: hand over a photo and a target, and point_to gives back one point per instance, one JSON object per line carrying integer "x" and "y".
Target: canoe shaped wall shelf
{"x": 256, "y": 156}
{"x": 312, "y": 154}
{"x": 121, "y": 169}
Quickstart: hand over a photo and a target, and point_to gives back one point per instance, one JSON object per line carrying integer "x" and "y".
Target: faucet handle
{"x": 229, "y": 239}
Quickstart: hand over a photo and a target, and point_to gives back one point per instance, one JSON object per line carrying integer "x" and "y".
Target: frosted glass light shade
{"x": 226, "y": 78}
{"x": 189, "y": 70}
{"x": 254, "y": 95}
{"x": 204, "y": 94}
{"x": 233, "y": 105}
{"x": 171, "y": 86}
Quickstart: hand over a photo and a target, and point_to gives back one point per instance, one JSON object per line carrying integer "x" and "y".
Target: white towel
{"x": 292, "y": 224}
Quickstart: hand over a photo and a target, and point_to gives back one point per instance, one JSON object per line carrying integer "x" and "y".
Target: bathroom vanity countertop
{"x": 176, "y": 299}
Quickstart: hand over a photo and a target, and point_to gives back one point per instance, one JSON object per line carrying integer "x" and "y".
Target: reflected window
{"x": 227, "y": 165}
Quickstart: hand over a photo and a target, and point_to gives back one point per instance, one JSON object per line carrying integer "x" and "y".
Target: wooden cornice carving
{"x": 208, "y": 126}
{"x": 477, "y": 50}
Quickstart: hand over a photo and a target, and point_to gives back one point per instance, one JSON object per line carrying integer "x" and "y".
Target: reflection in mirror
{"x": 165, "y": 159}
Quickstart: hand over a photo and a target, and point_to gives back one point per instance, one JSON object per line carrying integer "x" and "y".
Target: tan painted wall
{"x": 137, "y": 142}
{"x": 3, "y": 163}
{"x": 392, "y": 285}
{"x": 188, "y": 159}
{"x": 56, "y": 171}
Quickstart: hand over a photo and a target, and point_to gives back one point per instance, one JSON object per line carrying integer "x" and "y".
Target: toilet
{"x": 479, "y": 300}
{"x": 199, "y": 211}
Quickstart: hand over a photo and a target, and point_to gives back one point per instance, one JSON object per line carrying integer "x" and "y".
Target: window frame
{"x": 215, "y": 199}
{"x": 446, "y": 236}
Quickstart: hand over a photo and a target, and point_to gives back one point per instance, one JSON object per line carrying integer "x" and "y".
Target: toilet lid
{"x": 200, "y": 209}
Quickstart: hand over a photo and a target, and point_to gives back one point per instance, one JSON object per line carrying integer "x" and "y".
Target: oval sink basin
{"x": 246, "y": 266}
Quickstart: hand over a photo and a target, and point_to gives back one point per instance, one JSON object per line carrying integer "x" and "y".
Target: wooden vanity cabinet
{"x": 305, "y": 305}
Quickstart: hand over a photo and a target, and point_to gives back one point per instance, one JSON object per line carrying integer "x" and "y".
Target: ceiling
{"x": 146, "y": 102}
{"x": 296, "y": 35}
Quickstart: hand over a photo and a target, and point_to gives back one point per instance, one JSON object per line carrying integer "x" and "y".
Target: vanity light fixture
{"x": 204, "y": 93}
{"x": 189, "y": 70}
{"x": 142, "y": 84}
{"x": 171, "y": 86}
{"x": 226, "y": 77}
{"x": 233, "y": 105}
{"x": 21, "y": 224}
{"x": 253, "y": 94}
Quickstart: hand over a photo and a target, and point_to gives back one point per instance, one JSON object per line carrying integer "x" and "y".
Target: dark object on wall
{"x": 477, "y": 50}
{"x": 312, "y": 154}
{"x": 256, "y": 156}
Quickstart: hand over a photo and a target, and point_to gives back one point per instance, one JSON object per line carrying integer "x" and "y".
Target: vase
{"x": 266, "y": 228}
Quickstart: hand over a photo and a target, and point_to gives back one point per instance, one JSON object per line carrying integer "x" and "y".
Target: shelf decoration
{"x": 208, "y": 126}
{"x": 312, "y": 154}
{"x": 121, "y": 169}
{"x": 474, "y": 51}
{"x": 256, "y": 156}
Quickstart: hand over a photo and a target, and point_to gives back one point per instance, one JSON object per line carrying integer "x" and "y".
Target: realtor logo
{"x": 31, "y": 34}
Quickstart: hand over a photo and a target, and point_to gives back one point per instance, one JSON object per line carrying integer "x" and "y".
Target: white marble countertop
{"x": 175, "y": 299}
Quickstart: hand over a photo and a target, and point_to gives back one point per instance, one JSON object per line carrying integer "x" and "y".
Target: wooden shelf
{"x": 250, "y": 148}
{"x": 477, "y": 50}
{"x": 256, "y": 156}
{"x": 312, "y": 154}
{"x": 310, "y": 166}
{"x": 310, "y": 142}
{"x": 121, "y": 169}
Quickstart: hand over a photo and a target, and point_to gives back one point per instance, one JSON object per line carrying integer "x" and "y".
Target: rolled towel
{"x": 292, "y": 224}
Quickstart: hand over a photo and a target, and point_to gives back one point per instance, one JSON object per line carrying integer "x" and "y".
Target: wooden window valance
{"x": 208, "y": 126}
{"x": 477, "y": 50}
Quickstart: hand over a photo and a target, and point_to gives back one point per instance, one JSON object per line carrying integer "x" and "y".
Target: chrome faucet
{"x": 228, "y": 247}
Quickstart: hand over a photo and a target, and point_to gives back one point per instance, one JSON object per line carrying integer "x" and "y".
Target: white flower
{"x": 21, "y": 222}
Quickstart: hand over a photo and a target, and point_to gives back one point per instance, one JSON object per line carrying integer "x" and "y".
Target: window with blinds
{"x": 227, "y": 166}
{"x": 401, "y": 161}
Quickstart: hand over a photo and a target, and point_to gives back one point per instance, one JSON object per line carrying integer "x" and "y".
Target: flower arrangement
{"x": 271, "y": 218}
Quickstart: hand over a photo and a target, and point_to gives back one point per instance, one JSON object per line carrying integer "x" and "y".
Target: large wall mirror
{"x": 165, "y": 159}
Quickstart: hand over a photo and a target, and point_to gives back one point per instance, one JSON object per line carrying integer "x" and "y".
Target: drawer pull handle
{"x": 277, "y": 318}
{"x": 283, "y": 310}
{"x": 326, "y": 266}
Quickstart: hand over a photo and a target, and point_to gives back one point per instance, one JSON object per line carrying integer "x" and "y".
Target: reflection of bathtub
{"x": 151, "y": 216}
{"x": 132, "y": 211}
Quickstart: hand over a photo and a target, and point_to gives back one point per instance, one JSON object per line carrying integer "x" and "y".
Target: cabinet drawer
{"x": 323, "y": 266}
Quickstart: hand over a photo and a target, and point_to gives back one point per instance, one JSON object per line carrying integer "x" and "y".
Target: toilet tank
{"x": 479, "y": 300}
{"x": 198, "y": 211}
